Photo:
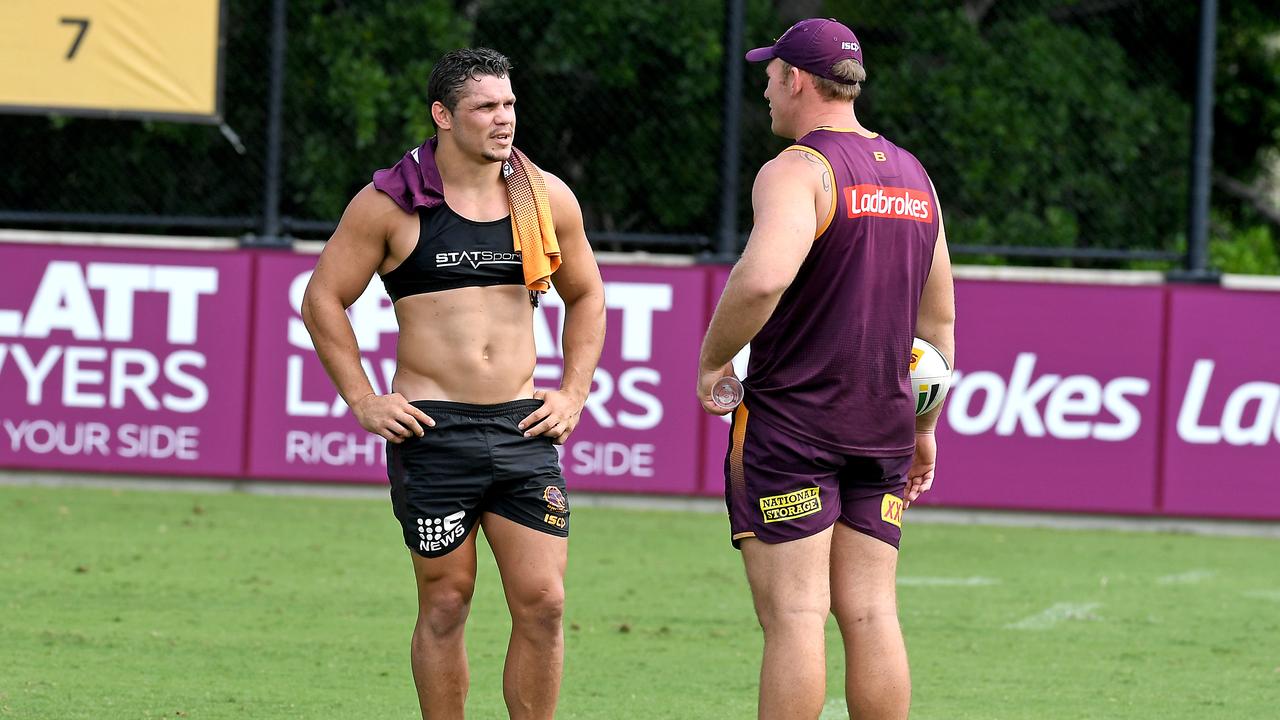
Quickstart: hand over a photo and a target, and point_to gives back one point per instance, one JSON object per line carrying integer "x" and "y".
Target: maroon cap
{"x": 814, "y": 45}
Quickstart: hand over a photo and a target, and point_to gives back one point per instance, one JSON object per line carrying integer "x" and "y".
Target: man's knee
{"x": 775, "y": 618}
{"x": 444, "y": 611}
{"x": 539, "y": 611}
{"x": 865, "y": 612}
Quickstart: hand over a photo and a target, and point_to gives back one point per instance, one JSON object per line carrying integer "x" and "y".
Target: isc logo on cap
{"x": 849, "y": 46}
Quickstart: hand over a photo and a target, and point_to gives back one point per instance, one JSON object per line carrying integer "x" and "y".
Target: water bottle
{"x": 726, "y": 394}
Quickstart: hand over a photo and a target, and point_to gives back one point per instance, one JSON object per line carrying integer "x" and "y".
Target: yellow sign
{"x": 111, "y": 57}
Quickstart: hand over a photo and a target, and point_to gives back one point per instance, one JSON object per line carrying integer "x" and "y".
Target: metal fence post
{"x": 270, "y": 229}
{"x": 1197, "y": 259}
{"x": 731, "y": 131}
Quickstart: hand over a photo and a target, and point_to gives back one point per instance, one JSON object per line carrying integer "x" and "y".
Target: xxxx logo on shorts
{"x": 891, "y": 510}
{"x": 555, "y": 499}
{"x": 790, "y": 506}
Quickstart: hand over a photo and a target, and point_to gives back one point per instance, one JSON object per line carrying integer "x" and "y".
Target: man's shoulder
{"x": 374, "y": 213}
{"x": 793, "y": 164}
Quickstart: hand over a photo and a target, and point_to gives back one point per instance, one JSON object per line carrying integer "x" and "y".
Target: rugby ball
{"x": 930, "y": 376}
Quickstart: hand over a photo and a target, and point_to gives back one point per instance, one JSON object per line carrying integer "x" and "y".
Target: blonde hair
{"x": 849, "y": 70}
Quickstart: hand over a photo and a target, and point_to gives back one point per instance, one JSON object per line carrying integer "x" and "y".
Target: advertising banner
{"x": 302, "y": 429}
{"x": 123, "y": 360}
{"x": 1055, "y": 402}
{"x": 1043, "y": 413}
{"x": 142, "y": 58}
{"x": 642, "y": 428}
{"x": 1066, "y": 397}
{"x": 1222, "y": 435}
{"x": 638, "y": 433}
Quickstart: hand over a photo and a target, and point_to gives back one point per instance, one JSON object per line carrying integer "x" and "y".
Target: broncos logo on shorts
{"x": 555, "y": 499}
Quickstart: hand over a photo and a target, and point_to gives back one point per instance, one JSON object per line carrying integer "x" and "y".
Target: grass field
{"x": 134, "y": 604}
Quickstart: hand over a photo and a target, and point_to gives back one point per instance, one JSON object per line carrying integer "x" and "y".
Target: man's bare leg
{"x": 439, "y": 656}
{"x": 532, "y": 565}
{"x": 789, "y": 583}
{"x": 864, "y": 599}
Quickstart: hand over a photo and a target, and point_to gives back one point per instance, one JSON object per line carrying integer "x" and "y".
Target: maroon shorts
{"x": 780, "y": 488}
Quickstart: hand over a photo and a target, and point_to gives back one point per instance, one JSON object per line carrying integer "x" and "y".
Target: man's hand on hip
{"x": 557, "y": 417}
{"x": 391, "y": 416}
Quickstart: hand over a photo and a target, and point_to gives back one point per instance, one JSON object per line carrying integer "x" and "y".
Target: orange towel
{"x": 532, "y": 229}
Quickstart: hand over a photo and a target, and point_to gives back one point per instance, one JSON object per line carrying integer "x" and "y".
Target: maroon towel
{"x": 413, "y": 182}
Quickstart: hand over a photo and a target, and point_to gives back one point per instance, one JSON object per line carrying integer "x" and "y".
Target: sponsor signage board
{"x": 118, "y": 360}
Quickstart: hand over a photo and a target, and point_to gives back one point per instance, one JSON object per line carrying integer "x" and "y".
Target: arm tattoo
{"x": 826, "y": 176}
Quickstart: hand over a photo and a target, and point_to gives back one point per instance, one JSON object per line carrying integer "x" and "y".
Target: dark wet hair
{"x": 453, "y": 71}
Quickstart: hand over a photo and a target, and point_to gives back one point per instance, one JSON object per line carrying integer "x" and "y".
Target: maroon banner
{"x": 1055, "y": 399}
{"x": 118, "y": 360}
{"x": 1222, "y": 434}
{"x": 641, "y": 429}
{"x": 1044, "y": 411}
{"x": 1066, "y": 397}
{"x": 302, "y": 429}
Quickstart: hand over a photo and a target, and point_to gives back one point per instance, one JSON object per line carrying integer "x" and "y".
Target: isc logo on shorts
{"x": 891, "y": 510}
{"x": 790, "y": 506}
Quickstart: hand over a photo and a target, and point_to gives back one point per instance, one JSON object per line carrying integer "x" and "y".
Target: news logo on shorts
{"x": 439, "y": 533}
{"x": 792, "y": 505}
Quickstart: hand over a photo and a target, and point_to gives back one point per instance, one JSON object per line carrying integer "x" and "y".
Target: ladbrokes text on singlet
{"x": 888, "y": 202}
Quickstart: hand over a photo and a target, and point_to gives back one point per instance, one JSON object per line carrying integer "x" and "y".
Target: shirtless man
{"x": 470, "y": 441}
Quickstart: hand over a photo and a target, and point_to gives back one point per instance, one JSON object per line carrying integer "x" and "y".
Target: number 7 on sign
{"x": 84, "y": 30}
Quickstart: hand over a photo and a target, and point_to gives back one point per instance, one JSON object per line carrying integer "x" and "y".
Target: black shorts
{"x": 475, "y": 460}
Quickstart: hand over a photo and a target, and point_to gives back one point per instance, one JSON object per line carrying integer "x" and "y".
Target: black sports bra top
{"x": 454, "y": 252}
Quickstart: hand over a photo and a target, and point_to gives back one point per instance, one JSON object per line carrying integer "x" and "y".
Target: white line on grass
{"x": 1190, "y": 577}
{"x": 1273, "y": 595}
{"x": 1057, "y": 613}
{"x": 835, "y": 709}
{"x": 946, "y": 581}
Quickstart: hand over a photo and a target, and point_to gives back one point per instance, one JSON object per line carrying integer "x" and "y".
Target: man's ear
{"x": 798, "y": 79}
{"x": 441, "y": 116}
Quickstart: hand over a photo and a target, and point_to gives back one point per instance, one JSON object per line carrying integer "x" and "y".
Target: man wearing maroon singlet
{"x": 847, "y": 261}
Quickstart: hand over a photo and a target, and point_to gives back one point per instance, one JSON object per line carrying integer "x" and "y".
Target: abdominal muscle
{"x": 472, "y": 345}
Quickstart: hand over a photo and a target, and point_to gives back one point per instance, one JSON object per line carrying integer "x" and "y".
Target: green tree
{"x": 1063, "y": 123}
{"x": 357, "y": 92}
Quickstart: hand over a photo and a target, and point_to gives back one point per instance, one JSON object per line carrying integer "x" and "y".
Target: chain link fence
{"x": 1055, "y": 127}
{"x": 98, "y": 173}
{"x": 1058, "y": 129}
